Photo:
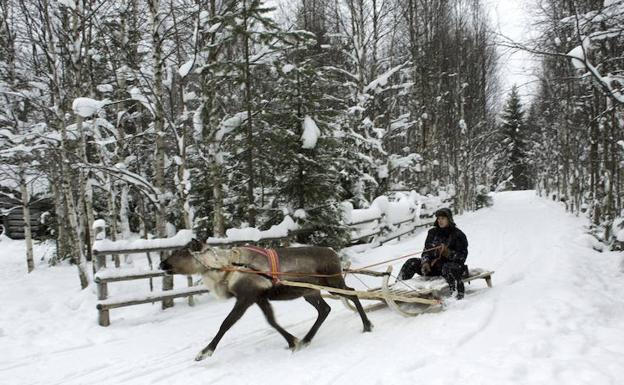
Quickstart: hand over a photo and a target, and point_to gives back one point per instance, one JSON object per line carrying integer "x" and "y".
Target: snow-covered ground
{"x": 554, "y": 316}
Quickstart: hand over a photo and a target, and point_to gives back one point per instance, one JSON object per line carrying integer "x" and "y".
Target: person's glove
{"x": 443, "y": 251}
{"x": 456, "y": 257}
{"x": 425, "y": 268}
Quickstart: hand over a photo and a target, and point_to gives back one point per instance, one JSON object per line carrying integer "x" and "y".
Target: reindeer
{"x": 242, "y": 273}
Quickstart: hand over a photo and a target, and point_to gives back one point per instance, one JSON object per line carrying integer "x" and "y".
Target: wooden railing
{"x": 104, "y": 276}
{"x": 383, "y": 232}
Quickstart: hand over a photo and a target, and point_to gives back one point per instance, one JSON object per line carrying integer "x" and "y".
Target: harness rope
{"x": 392, "y": 260}
{"x": 355, "y": 271}
{"x": 272, "y": 258}
{"x": 274, "y": 263}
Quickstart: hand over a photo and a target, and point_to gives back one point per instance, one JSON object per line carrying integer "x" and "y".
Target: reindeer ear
{"x": 195, "y": 245}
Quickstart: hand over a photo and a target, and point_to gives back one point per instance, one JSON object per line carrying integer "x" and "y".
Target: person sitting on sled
{"x": 446, "y": 250}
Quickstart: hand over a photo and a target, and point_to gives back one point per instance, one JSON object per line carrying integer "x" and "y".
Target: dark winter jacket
{"x": 452, "y": 237}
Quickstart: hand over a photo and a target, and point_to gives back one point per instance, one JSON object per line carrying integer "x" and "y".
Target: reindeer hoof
{"x": 203, "y": 354}
{"x": 296, "y": 345}
{"x": 368, "y": 328}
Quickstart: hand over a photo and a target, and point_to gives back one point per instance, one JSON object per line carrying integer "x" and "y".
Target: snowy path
{"x": 554, "y": 316}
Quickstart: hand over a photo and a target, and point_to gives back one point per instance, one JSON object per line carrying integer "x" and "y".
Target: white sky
{"x": 511, "y": 18}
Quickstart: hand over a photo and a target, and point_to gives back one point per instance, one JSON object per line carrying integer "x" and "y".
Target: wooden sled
{"x": 408, "y": 298}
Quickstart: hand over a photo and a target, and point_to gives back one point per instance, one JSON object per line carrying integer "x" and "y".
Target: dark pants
{"x": 451, "y": 271}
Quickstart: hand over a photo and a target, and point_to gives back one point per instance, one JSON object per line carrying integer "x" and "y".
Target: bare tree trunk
{"x": 249, "y": 136}
{"x": 112, "y": 214}
{"x": 123, "y": 217}
{"x": 76, "y": 241}
{"x": 159, "y": 166}
{"x": 72, "y": 214}
{"x": 85, "y": 200}
{"x": 218, "y": 223}
{"x": 30, "y": 262}
{"x": 62, "y": 243}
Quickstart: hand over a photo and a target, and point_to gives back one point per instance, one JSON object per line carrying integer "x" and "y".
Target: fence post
{"x": 383, "y": 229}
{"x": 102, "y": 290}
{"x": 167, "y": 284}
{"x": 99, "y": 228}
{"x": 189, "y": 280}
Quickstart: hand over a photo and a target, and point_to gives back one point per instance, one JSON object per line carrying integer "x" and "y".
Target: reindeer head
{"x": 195, "y": 258}
{"x": 183, "y": 261}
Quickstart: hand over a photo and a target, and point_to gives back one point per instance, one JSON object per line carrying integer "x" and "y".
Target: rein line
{"x": 392, "y": 260}
{"x": 246, "y": 269}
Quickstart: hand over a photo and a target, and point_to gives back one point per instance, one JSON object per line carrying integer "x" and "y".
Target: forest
{"x": 160, "y": 115}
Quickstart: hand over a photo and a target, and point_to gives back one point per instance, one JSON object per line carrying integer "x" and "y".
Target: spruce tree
{"x": 301, "y": 118}
{"x": 513, "y": 165}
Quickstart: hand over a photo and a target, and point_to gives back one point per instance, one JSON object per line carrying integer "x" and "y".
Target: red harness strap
{"x": 272, "y": 257}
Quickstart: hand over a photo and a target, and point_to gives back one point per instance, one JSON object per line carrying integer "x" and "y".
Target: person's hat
{"x": 445, "y": 212}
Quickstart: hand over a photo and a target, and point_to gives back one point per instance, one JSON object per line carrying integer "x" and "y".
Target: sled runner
{"x": 408, "y": 298}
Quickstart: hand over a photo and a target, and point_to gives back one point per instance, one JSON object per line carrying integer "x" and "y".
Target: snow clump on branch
{"x": 311, "y": 133}
{"x": 87, "y": 107}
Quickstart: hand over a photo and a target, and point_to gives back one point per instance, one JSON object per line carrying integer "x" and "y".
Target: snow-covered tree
{"x": 301, "y": 121}
{"x": 513, "y": 159}
{"x": 577, "y": 111}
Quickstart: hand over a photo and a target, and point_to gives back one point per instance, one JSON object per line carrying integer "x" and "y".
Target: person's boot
{"x": 460, "y": 289}
{"x": 408, "y": 269}
{"x": 450, "y": 282}
{"x": 402, "y": 276}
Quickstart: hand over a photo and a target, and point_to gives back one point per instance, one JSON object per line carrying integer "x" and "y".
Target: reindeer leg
{"x": 237, "y": 312}
{"x": 323, "y": 311}
{"x": 267, "y": 309}
{"x": 368, "y": 326}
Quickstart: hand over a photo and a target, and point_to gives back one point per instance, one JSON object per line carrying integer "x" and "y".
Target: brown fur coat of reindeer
{"x": 224, "y": 272}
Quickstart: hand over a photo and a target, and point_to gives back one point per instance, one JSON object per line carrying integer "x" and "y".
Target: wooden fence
{"x": 383, "y": 232}
{"x": 104, "y": 276}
